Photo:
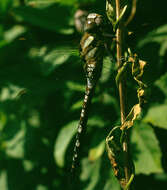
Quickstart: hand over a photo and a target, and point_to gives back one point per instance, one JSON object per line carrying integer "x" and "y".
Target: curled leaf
{"x": 115, "y": 154}
{"x": 133, "y": 114}
{"x": 137, "y": 69}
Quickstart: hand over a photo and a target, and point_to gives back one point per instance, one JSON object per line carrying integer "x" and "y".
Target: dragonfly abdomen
{"x": 82, "y": 123}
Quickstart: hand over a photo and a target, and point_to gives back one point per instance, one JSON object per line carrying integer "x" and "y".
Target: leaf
{"x": 158, "y": 35}
{"x": 14, "y": 32}
{"x": 162, "y": 83}
{"x": 51, "y": 59}
{"x": 96, "y": 121}
{"x": 69, "y": 2}
{"x": 77, "y": 105}
{"x": 133, "y": 114}
{"x": 39, "y": 3}
{"x": 75, "y": 86}
{"x": 75, "y": 3}
{"x": 41, "y": 187}
{"x": 3, "y": 180}
{"x": 97, "y": 151}
{"x": 62, "y": 141}
{"x": 3, "y": 120}
{"x": 115, "y": 153}
{"x": 15, "y": 146}
{"x": 112, "y": 183}
{"x": 90, "y": 171}
{"x": 147, "y": 153}
{"x": 11, "y": 34}
{"x": 111, "y": 11}
{"x": 46, "y": 18}
{"x": 157, "y": 116}
{"x": 5, "y": 5}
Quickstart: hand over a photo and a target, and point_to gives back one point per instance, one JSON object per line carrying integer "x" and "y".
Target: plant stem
{"x": 122, "y": 93}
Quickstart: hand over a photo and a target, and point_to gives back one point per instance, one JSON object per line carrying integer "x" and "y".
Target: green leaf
{"x": 11, "y": 34}
{"x": 90, "y": 171}
{"x": 3, "y": 180}
{"x": 46, "y": 18}
{"x": 147, "y": 153}
{"x": 96, "y": 121}
{"x": 157, "y": 116}
{"x": 158, "y": 35}
{"x": 15, "y": 146}
{"x": 3, "y": 120}
{"x": 162, "y": 84}
{"x": 75, "y": 86}
{"x": 14, "y": 32}
{"x": 97, "y": 151}
{"x": 111, "y": 11}
{"x": 51, "y": 59}
{"x": 39, "y": 3}
{"x": 77, "y": 105}
{"x": 112, "y": 183}
{"x": 69, "y": 2}
{"x": 5, "y": 5}
{"x": 62, "y": 141}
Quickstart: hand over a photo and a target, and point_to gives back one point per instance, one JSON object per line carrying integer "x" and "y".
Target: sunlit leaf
{"x": 50, "y": 59}
{"x": 15, "y": 146}
{"x": 75, "y": 86}
{"x": 14, "y": 32}
{"x": 97, "y": 151}
{"x": 146, "y": 150}
{"x": 40, "y": 3}
{"x": 62, "y": 142}
{"x": 157, "y": 116}
{"x": 3, "y": 180}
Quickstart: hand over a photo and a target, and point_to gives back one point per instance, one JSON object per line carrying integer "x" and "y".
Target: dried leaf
{"x": 116, "y": 155}
{"x": 133, "y": 114}
{"x": 115, "y": 152}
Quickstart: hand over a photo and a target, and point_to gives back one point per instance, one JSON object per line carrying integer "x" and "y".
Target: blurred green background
{"x": 41, "y": 90}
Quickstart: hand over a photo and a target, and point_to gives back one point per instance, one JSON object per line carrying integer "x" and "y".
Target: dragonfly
{"x": 92, "y": 52}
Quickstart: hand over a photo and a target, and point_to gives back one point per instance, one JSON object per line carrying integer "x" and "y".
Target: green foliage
{"x": 111, "y": 11}
{"x": 148, "y": 155}
{"x": 41, "y": 90}
{"x": 63, "y": 141}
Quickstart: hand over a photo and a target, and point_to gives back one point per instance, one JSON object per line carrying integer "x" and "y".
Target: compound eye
{"x": 89, "y": 25}
{"x": 98, "y": 21}
{"x": 89, "y": 22}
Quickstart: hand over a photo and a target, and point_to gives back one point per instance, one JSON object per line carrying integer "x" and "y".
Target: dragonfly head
{"x": 93, "y": 22}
